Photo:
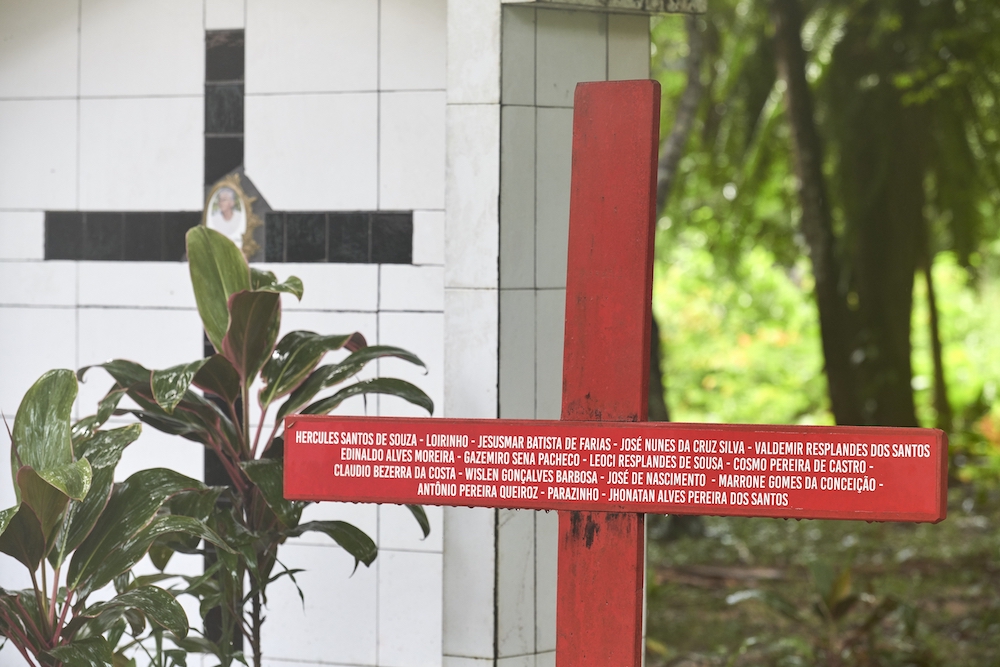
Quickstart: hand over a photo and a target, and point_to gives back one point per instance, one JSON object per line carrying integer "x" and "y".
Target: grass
{"x": 751, "y": 591}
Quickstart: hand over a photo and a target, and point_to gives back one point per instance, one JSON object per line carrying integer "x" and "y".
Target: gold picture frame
{"x": 229, "y": 211}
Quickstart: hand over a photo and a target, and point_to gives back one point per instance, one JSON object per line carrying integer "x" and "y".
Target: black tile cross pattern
{"x": 363, "y": 237}
{"x": 347, "y": 238}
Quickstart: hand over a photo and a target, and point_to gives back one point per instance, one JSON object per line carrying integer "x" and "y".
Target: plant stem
{"x": 55, "y": 597}
{"x": 62, "y": 617}
{"x": 255, "y": 641}
{"x": 39, "y": 595}
{"x": 21, "y": 641}
{"x": 29, "y": 622}
{"x": 245, "y": 448}
{"x": 256, "y": 438}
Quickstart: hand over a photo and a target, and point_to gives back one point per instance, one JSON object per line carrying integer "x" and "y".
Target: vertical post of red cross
{"x": 606, "y": 357}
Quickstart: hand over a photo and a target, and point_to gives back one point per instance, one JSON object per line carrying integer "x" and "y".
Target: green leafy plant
{"x": 842, "y": 625}
{"x": 76, "y": 532}
{"x": 240, "y": 308}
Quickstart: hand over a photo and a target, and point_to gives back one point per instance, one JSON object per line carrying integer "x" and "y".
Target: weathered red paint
{"x": 621, "y": 467}
{"x": 609, "y": 285}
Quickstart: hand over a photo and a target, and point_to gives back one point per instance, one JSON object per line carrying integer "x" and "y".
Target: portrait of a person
{"x": 226, "y": 215}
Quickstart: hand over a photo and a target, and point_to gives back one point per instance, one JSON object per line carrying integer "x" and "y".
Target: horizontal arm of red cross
{"x": 803, "y": 472}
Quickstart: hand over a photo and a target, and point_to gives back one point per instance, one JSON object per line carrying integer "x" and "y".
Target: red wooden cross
{"x": 602, "y": 466}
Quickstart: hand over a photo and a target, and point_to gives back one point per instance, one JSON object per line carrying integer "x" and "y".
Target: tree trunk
{"x": 838, "y": 324}
{"x": 670, "y": 156}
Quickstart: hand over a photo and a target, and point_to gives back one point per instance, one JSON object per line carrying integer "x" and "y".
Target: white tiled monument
{"x": 447, "y": 119}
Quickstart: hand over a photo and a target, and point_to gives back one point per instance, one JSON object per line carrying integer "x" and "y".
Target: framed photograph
{"x": 229, "y": 212}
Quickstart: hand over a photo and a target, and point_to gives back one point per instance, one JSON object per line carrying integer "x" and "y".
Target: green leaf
{"x": 86, "y": 427}
{"x": 103, "y": 451}
{"x": 389, "y": 386}
{"x": 253, "y": 330}
{"x": 46, "y": 501}
{"x": 352, "y": 539}
{"x": 23, "y": 538}
{"x": 268, "y": 475}
{"x": 218, "y": 270}
{"x": 294, "y": 358}
{"x": 157, "y": 604}
{"x": 84, "y": 653}
{"x": 421, "y": 517}
{"x": 132, "y": 506}
{"x": 170, "y": 385}
{"x": 333, "y": 374}
{"x": 126, "y": 373}
{"x": 264, "y": 281}
{"x": 5, "y": 517}
{"x": 219, "y": 377}
{"x": 42, "y": 438}
{"x": 124, "y": 554}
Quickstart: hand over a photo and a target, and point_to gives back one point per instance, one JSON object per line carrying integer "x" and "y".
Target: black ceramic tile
{"x": 392, "y": 238}
{"x": 224, "y": 108}
{"x": 305, "y": 237}
{"x": 224, "y": 55}
{"x": 143, "y": 237}
{"x": 350, "y": 235}
{"x": 63, "y": 235}
{"x": 274, "y": 237}
{"x": 222, "y": 155}
{"x": 175, "y": 226}
{"x": 103, "y": 236}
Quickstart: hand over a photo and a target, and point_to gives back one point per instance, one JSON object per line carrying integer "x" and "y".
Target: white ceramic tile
{"x": 409, "y": 609}
{"x": 37, "y": 283}
{"x": 554, "y": 155}
{"x": 313, "y": 152}
{"x": 32, "y": 341}
{"x": 38, "y": 47}
{"x": 628, "y": 47}
{"x": 155, "y": 449}
{"x": 411, "y": 150}
{"x": 38, "y": 145}
{"x": 225, "y": 14}
{"x": 423, "y": 335}
{"x": 300, "y": 46}
{"x": 471, "y": 344}
{"x": 462, "y": 661}
{"x": 517, "y": 661}
{"x": 428, "y": 237}
{"x": 515, "y": 582}
{"x": 473, "y": 189}
{"x": 545, "y": 659}
{"x": 142, "y": 154}
{"x": 363, "y": 516}
{"x": 338, "y": 620}
{"x": 142, "y": 47}
{"x": 22, "y": 235}
{"x": 546, "y": 567}
{"x": 473, "y": 51}
{"x": 517, "y": 354}
{"x": 398, "y": 529}
{"x": 413, "y": 44}
{"x": 571, "y": 47}
{"x": 406, "y": 287}
{"x": 350, "y": 287}
{"x": 468, "y": 583}
{"x": 152, "y": 284}
{"x": 517, "y": 197}
{"x": 157, "y": 339}
{"x": 518, "y": 57}
{"x": 550, "y": 318}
